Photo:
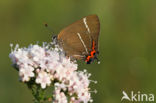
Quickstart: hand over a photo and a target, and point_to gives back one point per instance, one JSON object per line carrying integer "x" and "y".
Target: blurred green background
{"x": 127, "y": 43}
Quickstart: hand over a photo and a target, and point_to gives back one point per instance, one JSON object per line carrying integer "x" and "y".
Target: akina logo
{"x": 137, "y": 96}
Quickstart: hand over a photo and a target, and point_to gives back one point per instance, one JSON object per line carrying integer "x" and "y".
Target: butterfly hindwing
{"x": 76, "y": 39}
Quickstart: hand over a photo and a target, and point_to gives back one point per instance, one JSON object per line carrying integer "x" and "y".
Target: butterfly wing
{"x": 94, "y": 26}
{"x": 76, "y": 39}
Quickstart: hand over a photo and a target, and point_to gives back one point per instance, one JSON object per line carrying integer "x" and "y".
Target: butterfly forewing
{"x": 76, "y": 39}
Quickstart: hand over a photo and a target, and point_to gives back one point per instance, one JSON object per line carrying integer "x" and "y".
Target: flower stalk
{"x": 37, "y": 92}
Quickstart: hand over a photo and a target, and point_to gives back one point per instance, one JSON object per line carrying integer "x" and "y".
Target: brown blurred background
{"x": 127, "y": 43}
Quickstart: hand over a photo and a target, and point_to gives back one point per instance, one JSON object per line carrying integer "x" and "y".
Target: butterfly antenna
{"x": 54, "y": 36}
{"x": 48, "y": 28}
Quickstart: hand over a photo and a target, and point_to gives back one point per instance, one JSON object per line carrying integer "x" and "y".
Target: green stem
{"x": 38, "y": 93}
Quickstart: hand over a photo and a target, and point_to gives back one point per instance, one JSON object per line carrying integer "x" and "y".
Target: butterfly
{"x": 79, "y": 40}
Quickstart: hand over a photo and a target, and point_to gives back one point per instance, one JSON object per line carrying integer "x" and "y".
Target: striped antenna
{"x": 48, "y": 28}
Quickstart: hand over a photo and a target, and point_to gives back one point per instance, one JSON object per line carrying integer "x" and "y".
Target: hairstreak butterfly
{"x": 80, "y": 39}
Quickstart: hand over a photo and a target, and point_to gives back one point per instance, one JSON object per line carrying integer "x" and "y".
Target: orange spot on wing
{"x": 91, "y": 53}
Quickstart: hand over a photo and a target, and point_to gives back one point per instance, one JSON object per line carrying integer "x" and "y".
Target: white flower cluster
{"x": 49, "y": 65}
